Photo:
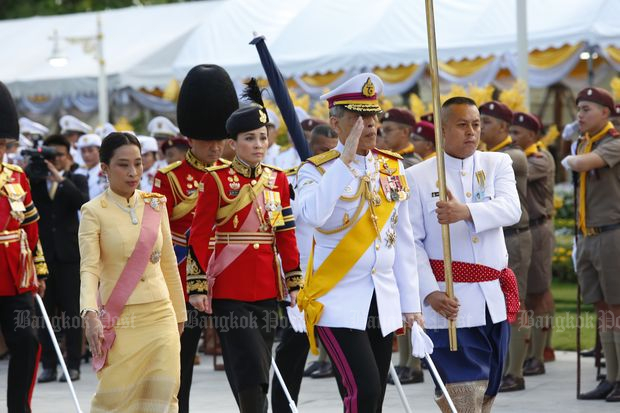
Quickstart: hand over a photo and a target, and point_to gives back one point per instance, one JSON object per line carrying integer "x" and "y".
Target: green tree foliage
{"x": 14, "y": 9}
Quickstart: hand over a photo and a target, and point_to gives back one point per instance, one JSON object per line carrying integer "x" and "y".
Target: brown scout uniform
{"x": 518, "y": 237}
{"x": 597, "y": 254}
{"x": 540, "y": 182}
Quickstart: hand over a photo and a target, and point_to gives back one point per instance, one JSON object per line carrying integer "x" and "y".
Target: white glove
{"x": 421, "y": 344}
{"x": 565, "y": 162}
{"x": 570, "y": 131}
{"x": 297, "y": 319}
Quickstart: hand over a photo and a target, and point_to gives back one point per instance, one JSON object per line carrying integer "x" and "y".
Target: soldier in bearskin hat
{"x": 19, "y": 235}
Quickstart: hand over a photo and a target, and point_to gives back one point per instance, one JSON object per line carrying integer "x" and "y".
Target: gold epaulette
{"x": 217, "y": 167}
{"x": 224, "y": 161}
{"x": 12, "y": 167}
{"x": 275, "y": 168}
{"x": 388, "y": 153}
{"x": 292, "y": 171}
{"x": 151, "y": 195}
{"x": 320, "y": 159}
{"x": 170, "y": 167}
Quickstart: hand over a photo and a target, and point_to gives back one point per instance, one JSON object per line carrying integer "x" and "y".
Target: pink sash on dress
{"x": 128, "y": 280}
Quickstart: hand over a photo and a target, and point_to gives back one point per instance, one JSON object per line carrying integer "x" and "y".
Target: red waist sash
{"x": 465, "y": 272}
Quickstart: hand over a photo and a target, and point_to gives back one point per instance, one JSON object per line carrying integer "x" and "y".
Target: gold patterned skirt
{"x": 142, "y": 373}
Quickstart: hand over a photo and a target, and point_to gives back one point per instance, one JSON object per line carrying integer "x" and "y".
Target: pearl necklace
{"x": 131, "y": 210}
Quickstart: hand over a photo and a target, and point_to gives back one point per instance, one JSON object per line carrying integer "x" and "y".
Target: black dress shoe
{"x": 599, "y": 393}
{"x": 614, "y": 396}
{"x": 511, "y": 383}
{"x": 534, "y": 368}
{"x": 47, "y": 375}
{"x": 411, "y": 376}
{"x": 324, "y": 371}
{"x": 314, "y": 366}
{"x": 74, "y": 375}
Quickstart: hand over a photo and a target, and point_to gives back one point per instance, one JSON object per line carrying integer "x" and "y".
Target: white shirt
{"x": 479, "y": 242}
{"x": 390, "y": 272}
{"x": 272, "y": 153}
{"x": 97, "y": 182}
{"x": 288, "y": 159}
{"x": 76, "y": 154}
{"x": 146, "y": 182}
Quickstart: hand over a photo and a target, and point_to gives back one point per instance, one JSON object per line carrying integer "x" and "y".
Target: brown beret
{"x": 425, "y": 130}
{"x": 497, "y": 110}
{"x": 428, "y": 117}
{"x": 308, "y": 124}
{"x": 597, "y": 95}
{"x": 178, "y": 141}
{"x": 526, "y": 121}
{"x": 397, "y": 115}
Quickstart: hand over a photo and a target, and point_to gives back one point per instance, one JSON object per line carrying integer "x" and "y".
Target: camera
{"x": 37, "y": 169}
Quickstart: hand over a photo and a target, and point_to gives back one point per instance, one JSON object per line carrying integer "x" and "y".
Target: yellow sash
{"x": 340, "y": 261}
{"x": 500, "y": 145}
{"x": 589, "y": 142}
{"x": 531, "y": 150}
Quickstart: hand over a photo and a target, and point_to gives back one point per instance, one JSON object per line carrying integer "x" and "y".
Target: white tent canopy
{"x": 148, "y": 46}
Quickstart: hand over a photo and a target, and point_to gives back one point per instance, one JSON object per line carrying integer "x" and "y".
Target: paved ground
{"x": 553, "y": 392}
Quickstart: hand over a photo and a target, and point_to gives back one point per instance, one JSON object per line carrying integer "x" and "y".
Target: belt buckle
{"x": 592, "y": 231}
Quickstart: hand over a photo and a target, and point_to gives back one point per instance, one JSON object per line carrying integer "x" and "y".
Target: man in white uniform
{"x": 72, "y": 128}
{"x": 149, "y": 162}
{"x": 89, "y": 145}
{"x": 364, "y": 279}
{"x": 483, "y": 198}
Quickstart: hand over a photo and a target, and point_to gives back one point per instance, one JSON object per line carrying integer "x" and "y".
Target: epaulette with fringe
{"x": 15, "y": 168}
{"x": 388, "y": 153}
{"x": 217, "y": 167}
{"x": 320, "y": 159}
{"x": 170, "y": 167}
{"x": 275, "y": 168}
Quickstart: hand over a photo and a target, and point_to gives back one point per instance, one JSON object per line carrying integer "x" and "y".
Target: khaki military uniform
{"x": 540, "y": 182}
{"x": 518, "y": 237}
{"x": 597, "y": 254}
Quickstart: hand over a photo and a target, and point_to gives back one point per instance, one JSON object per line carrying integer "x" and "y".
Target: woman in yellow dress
{"x": 131, "y": 297}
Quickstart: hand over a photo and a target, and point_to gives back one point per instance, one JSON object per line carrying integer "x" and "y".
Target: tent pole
{"x": 522, "y": 53}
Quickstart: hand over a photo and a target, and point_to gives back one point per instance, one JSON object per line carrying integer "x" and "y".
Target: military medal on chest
{"x": 192, "y": 184}
{"x": 394, "y": 187}
{"x": 481, "y": 180}
{"x": 16, "y": 195}
{"x": 273, "y": 205}
{"x": 233, "y": 183}
{"x": 390, "y": 235}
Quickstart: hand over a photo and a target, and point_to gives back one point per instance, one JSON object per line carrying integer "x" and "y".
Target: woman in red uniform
{"x": 242, "y": 234}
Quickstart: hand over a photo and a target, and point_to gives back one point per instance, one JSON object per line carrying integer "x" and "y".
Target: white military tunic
{"x": 97, "y": 182}
{"x": 287, "y": 159}
{"x": 493, "y": 204}
{"x": 272, "y": 153}
{"x": 389, "y": 272}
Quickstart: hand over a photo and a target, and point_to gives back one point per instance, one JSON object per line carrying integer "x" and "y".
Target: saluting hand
{"x": 350, "y": 146}
{"x": 451, "y": 211}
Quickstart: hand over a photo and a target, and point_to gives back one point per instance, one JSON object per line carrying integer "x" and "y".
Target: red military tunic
{"x": 19, "y": 232}
{"x": 179, "y": 183}
{"x": 231, "y": 197}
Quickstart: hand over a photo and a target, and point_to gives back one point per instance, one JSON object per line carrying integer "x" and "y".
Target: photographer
{"x": 59, "y": 195}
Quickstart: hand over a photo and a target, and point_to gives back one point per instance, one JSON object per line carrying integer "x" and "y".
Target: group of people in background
{"x": 150, "y": 238}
